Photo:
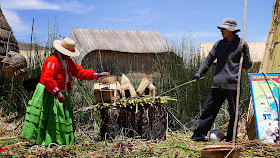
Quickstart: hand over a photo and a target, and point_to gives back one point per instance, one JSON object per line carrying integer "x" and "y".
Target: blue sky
{"x": 174, "y": 19}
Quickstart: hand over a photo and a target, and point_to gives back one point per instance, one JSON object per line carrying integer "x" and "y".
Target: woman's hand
{"x": 104, "y": 74}
{"x": 60, "y": 97}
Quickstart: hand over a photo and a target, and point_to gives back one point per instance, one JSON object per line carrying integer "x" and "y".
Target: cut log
{"x": 120, "y": 123}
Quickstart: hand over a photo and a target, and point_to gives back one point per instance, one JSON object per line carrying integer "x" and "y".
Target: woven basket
{"x": 106, "y": 96}
{"x": 106, "y": 93}
{"x": 107, "y": 79}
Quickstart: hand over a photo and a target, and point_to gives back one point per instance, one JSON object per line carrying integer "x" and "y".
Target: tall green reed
{"x": 177, "y": 68}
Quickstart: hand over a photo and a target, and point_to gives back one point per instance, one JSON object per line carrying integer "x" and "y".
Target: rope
{"x": 239, "y": 78}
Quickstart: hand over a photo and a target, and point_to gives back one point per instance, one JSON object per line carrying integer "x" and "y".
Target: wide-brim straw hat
{"x": 66, "y": 47}
{"x": 229, "y": 24}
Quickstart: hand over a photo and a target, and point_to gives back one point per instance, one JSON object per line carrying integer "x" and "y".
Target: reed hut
{"x": 119, "y": 50}
{"x": 8, "y": 41}
{"x": 270, "y": 63}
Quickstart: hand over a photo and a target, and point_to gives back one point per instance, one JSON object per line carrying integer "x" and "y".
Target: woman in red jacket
{"x": 49, "y": 115}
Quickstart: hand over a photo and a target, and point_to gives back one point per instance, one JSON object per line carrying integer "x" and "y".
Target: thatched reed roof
{"x": 89, "y": 40}
{"x": 7, "y": 37}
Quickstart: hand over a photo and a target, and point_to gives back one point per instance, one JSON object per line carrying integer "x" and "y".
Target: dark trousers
{"x": 211, "y": 109}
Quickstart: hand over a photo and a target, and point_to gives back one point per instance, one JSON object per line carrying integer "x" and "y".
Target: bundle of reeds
{"x": 127, "y": 89}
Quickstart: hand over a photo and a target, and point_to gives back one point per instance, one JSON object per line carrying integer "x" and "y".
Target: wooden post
{"x": 239, "y": 79}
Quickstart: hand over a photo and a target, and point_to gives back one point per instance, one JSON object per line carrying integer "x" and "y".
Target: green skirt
{"x": 47, "y": 120}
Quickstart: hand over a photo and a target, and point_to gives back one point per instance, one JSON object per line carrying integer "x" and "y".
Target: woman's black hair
{"x": 55, "y": 50}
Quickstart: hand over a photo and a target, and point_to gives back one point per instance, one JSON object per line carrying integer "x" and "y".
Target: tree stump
{"x": 120, "y": 123}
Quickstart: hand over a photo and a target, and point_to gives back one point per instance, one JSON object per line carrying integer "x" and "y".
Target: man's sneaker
{"x": 199, "y": 139}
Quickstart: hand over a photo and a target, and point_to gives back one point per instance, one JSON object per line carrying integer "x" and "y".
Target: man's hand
{"x": 243, "y": 49}
{"x": 60, "y": 97}
{"x": 195, "y": 78}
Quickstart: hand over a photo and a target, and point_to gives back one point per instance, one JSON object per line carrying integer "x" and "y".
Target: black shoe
{"x": 199, "y": 139}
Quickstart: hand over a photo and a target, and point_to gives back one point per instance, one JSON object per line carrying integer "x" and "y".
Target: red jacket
{"x": 53, "y": 75}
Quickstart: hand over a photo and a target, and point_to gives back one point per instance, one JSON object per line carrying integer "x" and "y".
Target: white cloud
{"x": 28, "y": 5}
{"x": 75, "y": 6}
{"x": 144, "y": 11}
{"x": 184, "y": 34}
{"x": 137, "y": 16}
{"x": 10, "y": 7}
{"x": 206, "y": 34}
{"x": 191, "y": 36}
{"x": 14, "y": 21}
{"x": 126, "y": 19}
{"x": 176, "y": 35}
{"x": 61, "y": 5}
{"x": 173, "y": 34}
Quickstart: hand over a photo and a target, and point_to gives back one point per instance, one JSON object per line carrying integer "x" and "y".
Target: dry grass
{"x": 177, "y": 144}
